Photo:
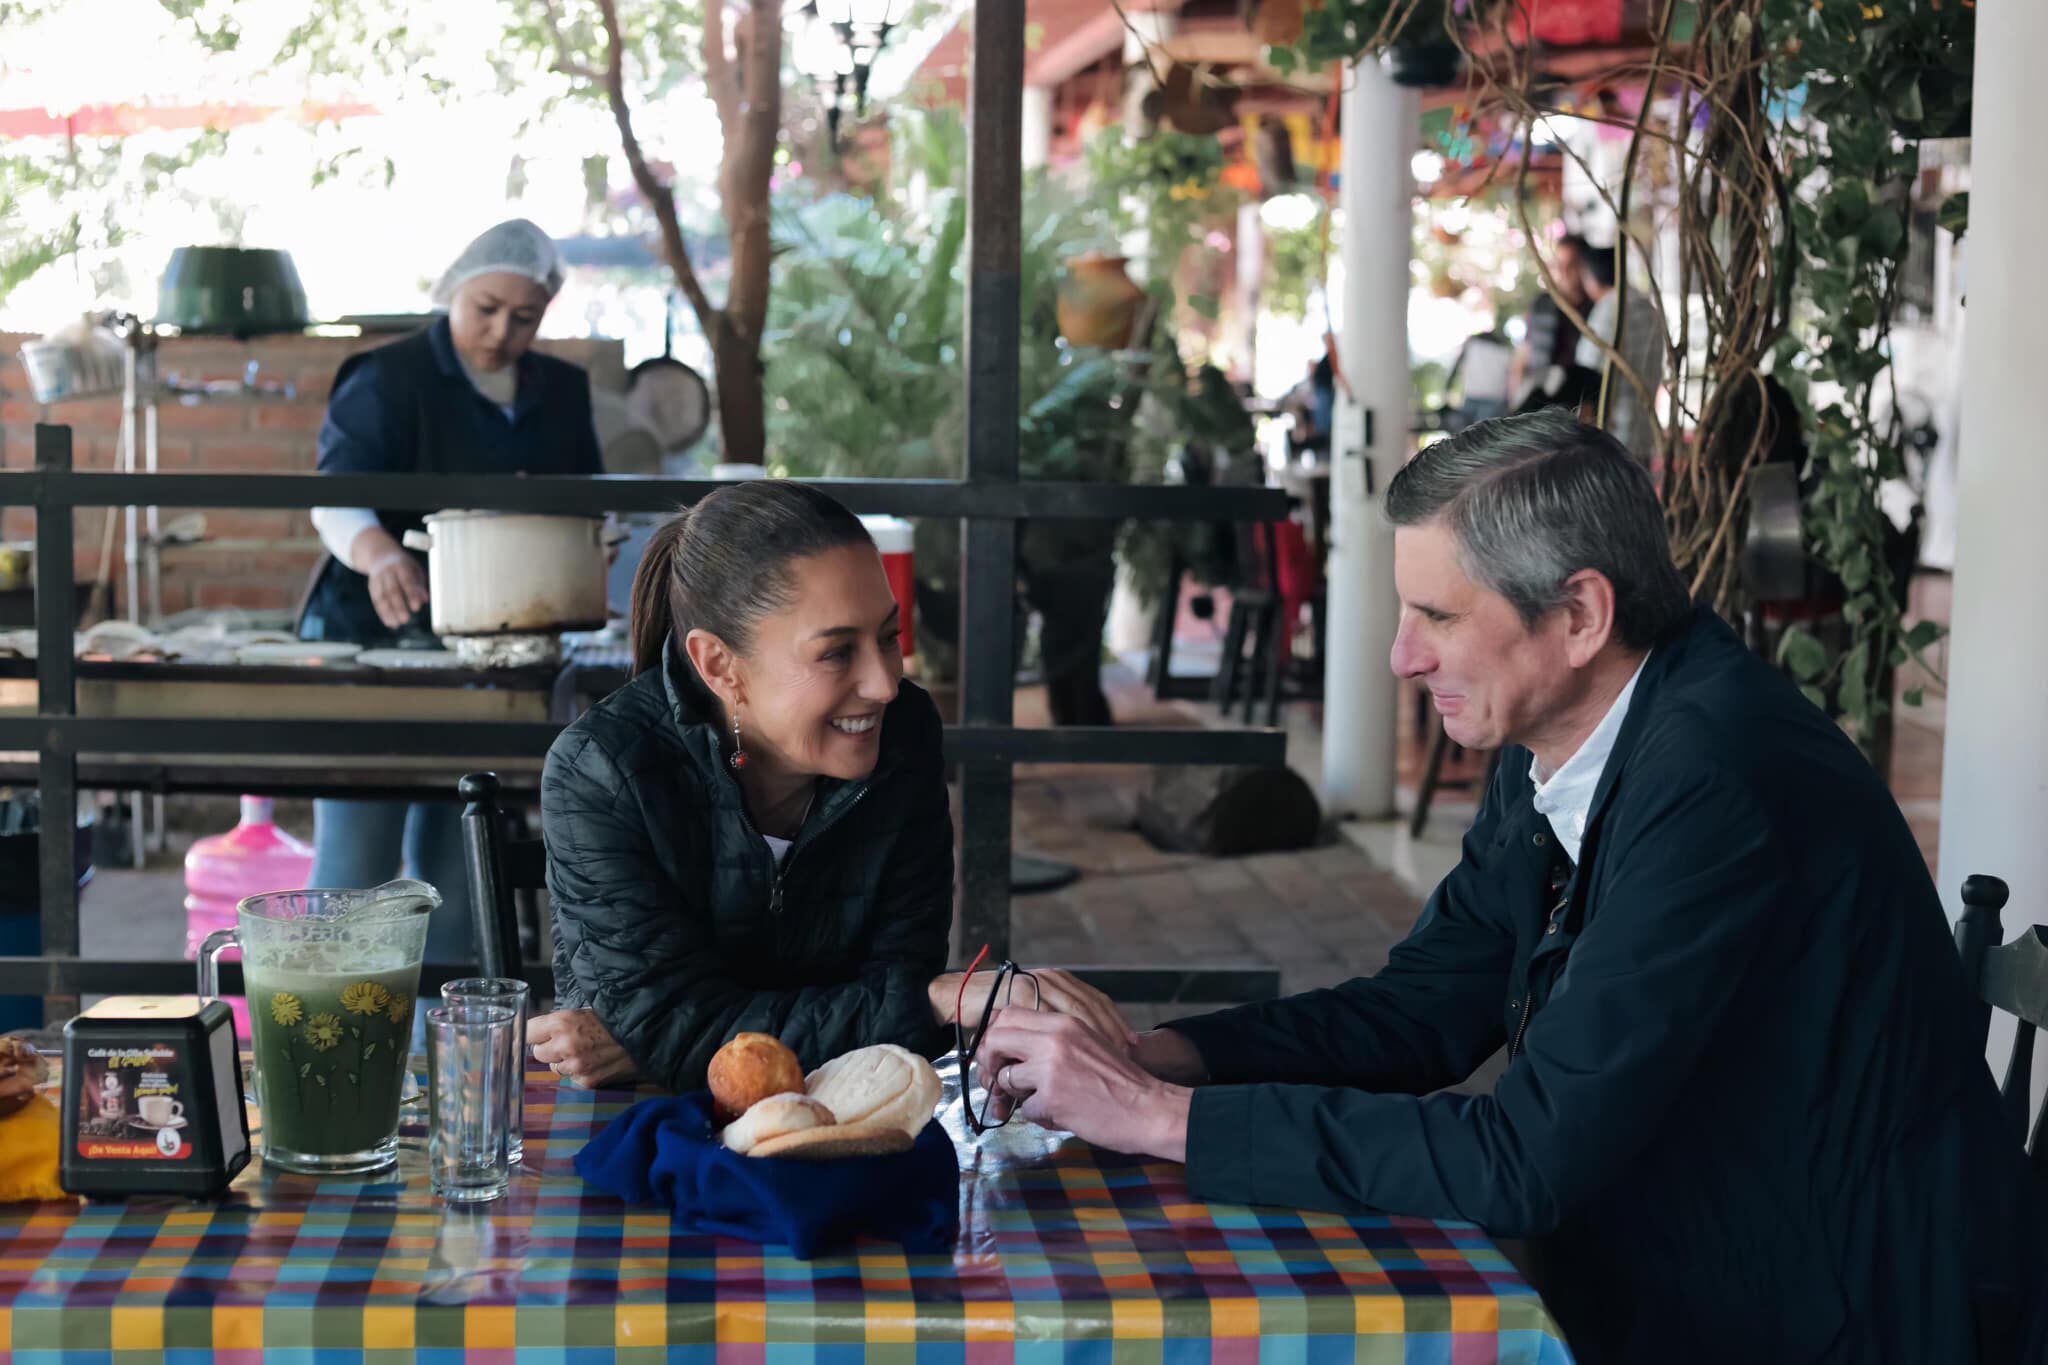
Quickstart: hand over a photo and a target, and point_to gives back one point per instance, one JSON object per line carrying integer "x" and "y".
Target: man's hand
{"x": 1057, "y": 991}
{"x": 1063, "y": 1074}
{"x": 579, "y": 1048}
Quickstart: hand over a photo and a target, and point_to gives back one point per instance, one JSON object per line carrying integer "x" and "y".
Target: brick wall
{"x": 250, "y": 558}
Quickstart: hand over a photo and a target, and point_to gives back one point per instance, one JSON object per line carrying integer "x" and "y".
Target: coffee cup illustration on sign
{"x": 159, "y": 1111}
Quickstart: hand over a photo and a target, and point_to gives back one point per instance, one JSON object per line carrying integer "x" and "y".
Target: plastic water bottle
{"x": 222, "y": 869}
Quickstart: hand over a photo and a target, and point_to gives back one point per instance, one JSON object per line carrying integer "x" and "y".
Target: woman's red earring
{"x": 739, "y": 755}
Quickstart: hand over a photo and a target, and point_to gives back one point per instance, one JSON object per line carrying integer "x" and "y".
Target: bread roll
{"x": 882, "y": 1085}
{"x": 774, "y": 1117}
{"x": 749, "y": 1069}
{"x": 841, "y": 1139}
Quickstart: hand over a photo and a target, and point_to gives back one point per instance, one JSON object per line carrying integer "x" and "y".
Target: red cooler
{"x": 893, "y": 537}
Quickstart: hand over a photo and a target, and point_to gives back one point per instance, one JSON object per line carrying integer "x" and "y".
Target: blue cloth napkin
{"x": 667, "y": 1151}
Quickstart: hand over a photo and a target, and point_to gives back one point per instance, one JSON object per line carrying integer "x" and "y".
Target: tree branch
{"x": 659, "y": 196}
{"x": 565, "y": 58}
{"x": 752, "y": 130}
{"x": 718, "y": 72}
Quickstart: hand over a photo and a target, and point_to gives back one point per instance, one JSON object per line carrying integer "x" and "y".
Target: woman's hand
{"x": 398, "y": 588}
{"x": 398, "y": 585}
{"x": 579, "y": 1048}
{"x": 1058, "y": 992}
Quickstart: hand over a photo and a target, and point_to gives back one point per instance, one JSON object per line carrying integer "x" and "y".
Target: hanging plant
{"x": 1297, "y": 263}
{"x": 1872, "y": 76}
{"x": 1168, "y": 184}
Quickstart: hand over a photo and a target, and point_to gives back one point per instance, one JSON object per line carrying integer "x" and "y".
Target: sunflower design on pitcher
{"x": 365, "y": 997}
{"x": 286, "y": 1009}
{"x": 400, "y": 1007}
{"x": 323, "y": 1031}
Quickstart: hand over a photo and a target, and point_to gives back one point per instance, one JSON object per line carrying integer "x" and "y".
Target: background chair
{"x": 2012, "y": 977}
{"x": 503, "y": 869}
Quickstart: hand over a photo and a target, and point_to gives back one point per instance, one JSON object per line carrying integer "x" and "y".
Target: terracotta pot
{"x": 1098, "y": 302}
{"x": 1278, "y": 23}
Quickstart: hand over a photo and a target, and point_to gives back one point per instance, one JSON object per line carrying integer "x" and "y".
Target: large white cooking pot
{"x": 513, "y": 573}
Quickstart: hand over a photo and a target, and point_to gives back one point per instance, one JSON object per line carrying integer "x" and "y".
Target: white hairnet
{"x": 513, "y": 247}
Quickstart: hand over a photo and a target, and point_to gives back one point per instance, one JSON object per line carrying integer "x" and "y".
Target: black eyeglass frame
{"x": 965, "y": 1046}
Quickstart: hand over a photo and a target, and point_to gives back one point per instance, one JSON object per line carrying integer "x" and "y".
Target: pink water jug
{"x": 222, "y": 869}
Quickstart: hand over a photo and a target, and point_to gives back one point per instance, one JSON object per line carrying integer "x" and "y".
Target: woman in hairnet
{"x": 468, "y": 395}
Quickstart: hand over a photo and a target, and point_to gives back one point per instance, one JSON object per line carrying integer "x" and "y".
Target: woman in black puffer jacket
{"x": 753, "y": 834}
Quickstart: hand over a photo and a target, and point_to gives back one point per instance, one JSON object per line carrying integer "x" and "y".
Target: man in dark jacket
{"x": 1744, "y": 1116}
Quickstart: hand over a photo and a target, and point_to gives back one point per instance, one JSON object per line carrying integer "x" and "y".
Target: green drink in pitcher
{"x": 332, "y": 979}
{"x": 331, "y": 1051}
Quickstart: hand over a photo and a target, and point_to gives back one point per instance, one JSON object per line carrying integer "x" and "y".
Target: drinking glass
{"x": 515, "y": 995}
{"x": 469, "y": 1051}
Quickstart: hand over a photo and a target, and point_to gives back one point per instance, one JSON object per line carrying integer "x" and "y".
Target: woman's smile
{"x": 858, "y": 727}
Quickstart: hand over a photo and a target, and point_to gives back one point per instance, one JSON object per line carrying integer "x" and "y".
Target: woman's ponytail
{"x": 725, "y": 563}
{"x": 652, "y": 614}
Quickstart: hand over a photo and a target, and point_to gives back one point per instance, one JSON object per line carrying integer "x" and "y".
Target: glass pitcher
{"x": 331, "y": 978}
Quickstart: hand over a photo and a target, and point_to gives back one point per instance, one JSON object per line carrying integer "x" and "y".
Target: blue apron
{"x": 407, "y": 408}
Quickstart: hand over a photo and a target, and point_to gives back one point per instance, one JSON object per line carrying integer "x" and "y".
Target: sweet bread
{"x": 749, "y": 1069}
{"x": 773, "y": 1118}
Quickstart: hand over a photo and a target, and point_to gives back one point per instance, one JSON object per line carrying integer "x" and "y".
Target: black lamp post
{"x": 837, "y": 48}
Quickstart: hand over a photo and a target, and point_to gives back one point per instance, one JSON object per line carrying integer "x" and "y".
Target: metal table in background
{"x": 251, "y": 695}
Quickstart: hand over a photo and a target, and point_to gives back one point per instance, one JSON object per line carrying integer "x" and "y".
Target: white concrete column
{"x": 1144, "y": 31}
{"x": 1994, "y": 777}
{"x": 1250, "y": 285}
{"x": 1380, "y": 131}
{"x": 1037, "y": 126}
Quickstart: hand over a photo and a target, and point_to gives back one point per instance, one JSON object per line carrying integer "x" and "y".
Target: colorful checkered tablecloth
{"x": 1065, "y": 1253}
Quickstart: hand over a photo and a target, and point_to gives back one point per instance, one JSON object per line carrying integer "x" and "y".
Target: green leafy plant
{"x": 866, "y": 357}
{"x": 1167, "y": 185}
{"x": 865, "y": 349}
{"x": 1874, "y": 77}
{"x": 1297, "y": 263}
{"x": 1342, "y": 30}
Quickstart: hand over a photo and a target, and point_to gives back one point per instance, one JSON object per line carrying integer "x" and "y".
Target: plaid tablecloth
{"x": 1065, "y": 1253}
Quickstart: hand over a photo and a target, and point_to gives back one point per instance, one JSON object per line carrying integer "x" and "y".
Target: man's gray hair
{"x": 1535, "y": 498}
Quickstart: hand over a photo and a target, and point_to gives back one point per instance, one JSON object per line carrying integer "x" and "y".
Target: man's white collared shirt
{"x": 1565, "y": 797}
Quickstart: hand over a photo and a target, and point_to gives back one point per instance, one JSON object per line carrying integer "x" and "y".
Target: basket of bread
{"x": 868, "y": 1102}
{"x": 811, "y": 1162}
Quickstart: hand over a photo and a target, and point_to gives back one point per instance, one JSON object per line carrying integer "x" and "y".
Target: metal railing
{"x": 990, "y": 502}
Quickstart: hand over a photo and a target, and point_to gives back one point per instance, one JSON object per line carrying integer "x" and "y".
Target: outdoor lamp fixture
{"x": 1289, "y": 212}
{"x": 857, "y": 30}
{"x": 816, "y": 51}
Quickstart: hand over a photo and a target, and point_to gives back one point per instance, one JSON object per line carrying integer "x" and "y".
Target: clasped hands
{"x": 1127, "y": 1093}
